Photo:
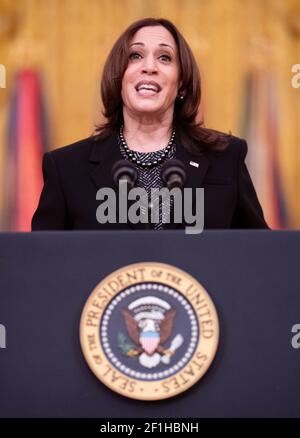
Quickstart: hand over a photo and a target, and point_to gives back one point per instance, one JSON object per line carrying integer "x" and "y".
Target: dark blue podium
{"x": 252, "y": 277}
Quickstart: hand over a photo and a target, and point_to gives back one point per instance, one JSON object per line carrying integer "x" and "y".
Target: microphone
{"x": 124, "y": 171}
{"x": 173, "y": 174}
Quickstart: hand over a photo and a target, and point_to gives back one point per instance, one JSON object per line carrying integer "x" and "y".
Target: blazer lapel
{"x": 196, "y": 166}
{"x": 195, "y": 174}
{"x": 103, "y": 156}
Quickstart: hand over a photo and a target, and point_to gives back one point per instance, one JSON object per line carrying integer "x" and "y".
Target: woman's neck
{"x": 150, "y": 137}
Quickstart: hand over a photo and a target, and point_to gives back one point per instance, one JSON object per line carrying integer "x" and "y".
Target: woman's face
{"x": 151, "y": 81}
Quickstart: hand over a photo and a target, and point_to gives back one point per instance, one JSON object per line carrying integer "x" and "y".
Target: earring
{"x": 180, "y": 97}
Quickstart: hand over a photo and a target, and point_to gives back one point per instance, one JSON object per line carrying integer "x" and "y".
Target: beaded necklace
{"x": 146, "y": 165}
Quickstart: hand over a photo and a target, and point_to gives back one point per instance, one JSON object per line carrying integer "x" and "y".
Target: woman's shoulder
{"x": 79, "y": 149}
{"x": 233, "y": 145}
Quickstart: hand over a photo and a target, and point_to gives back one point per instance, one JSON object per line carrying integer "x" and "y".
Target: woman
{"x": 151, "y": 93}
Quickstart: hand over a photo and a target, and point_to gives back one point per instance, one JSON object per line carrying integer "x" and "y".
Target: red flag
{"x": 25, "y": 149}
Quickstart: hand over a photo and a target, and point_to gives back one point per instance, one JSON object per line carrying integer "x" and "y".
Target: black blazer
{"x": 73, "y": 174}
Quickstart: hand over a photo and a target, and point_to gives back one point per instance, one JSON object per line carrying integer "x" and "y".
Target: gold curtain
{"x": 68, "y": 40}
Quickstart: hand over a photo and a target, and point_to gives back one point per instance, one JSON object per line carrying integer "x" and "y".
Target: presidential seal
{"x": 149, "y": 331}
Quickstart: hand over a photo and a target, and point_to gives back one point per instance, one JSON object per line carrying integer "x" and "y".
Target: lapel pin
{"x": 193, "y": 163}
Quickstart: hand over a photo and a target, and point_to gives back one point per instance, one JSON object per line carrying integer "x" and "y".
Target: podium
{"x": 252, "y": 277}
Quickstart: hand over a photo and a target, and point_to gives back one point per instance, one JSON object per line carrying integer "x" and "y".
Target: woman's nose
{"x": 149, "y": 65}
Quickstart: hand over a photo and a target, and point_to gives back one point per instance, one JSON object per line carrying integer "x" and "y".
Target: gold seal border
{"x": 132, "y": 275}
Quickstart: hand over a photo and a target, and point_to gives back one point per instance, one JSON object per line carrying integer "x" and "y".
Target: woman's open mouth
{"x": 148, "y": 88}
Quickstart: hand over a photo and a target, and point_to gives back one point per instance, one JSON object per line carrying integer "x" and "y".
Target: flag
{"x": 260, "y": 127}
{"x": 26, "y": 145}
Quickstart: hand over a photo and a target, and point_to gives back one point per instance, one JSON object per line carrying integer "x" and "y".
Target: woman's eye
{"x": 134, "y": 55}
{"x": 166, "y": 57}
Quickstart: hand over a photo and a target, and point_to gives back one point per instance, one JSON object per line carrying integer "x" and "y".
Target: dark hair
{"x": 190, "y": 132}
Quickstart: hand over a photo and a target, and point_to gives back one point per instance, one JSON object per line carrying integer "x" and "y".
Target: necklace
{"x": 131, "y": 155}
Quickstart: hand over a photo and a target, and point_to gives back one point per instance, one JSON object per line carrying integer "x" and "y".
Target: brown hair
{"x": 190, "y": 132}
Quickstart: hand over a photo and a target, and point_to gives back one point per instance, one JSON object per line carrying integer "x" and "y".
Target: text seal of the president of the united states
{"x": 149, "y": 331}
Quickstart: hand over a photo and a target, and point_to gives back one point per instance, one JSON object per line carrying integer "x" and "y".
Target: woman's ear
{"x": 180, "y": 91}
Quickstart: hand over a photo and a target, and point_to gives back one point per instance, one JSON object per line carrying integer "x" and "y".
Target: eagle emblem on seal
{"x": 149, "y": 323}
